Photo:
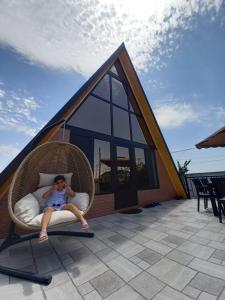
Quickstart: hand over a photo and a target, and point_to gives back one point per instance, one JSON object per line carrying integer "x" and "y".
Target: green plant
{"x": 183, "y": 169}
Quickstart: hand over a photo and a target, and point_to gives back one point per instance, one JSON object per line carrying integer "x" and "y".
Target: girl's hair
{"x": 59, "y": 177}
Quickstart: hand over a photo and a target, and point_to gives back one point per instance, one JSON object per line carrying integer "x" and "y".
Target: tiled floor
{"x": 166, "y": 252}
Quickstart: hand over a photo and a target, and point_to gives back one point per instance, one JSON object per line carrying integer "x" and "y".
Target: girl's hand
{"x": 54, "y": 188}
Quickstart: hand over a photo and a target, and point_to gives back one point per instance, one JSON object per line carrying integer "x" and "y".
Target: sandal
{"x": 84, "y": 224}
{"x": 43, "y": 236}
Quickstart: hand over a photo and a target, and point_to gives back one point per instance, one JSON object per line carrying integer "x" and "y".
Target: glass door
{"x": 125, "y": 192}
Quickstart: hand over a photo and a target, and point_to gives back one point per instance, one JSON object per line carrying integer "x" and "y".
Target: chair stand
{"x": 13, "y": 239}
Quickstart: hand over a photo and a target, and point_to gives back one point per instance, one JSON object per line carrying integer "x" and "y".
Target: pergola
{"x": 217, "y": 139}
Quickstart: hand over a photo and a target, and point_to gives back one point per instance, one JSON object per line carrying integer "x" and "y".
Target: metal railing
{"x": 191, "y": 190}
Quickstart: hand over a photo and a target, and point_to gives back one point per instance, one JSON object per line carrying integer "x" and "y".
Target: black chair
{"x": 219, "y": 193}
{"x": 202, "y": 192}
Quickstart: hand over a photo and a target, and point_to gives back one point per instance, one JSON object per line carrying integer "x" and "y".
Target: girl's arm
{"x": 49, "y": 192}
{"x": 70, "y": 192}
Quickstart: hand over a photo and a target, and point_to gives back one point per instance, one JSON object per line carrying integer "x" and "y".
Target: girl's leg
{"x": 71, "y": 207}
{"x": 44, "y": 223}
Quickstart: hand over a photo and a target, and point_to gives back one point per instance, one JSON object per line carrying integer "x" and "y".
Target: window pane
{"x": 93, "y": 114}
{"x": 123, "y": 168}
{"x": 113, "y": 70}
{"x": 141, "y": 169}
{"x": 121, "y": 125}
{"x": 137, "y": 133}
{"x": 119, "y": 95}
{"x": 102, "y": 89}
{"x": 102, "y": 167}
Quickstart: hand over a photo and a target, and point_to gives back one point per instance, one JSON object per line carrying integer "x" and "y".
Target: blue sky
{"x": 178, "y": 49}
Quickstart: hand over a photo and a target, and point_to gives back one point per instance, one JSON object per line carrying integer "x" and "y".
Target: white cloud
{"x": 79, "y": 35}
{"x": 172, "y": 113}
{"x": 2, "y": 93}
{"x": 17, "y": 113}
{"x": 7, "y": 153}
{"x": 175, "y": 114}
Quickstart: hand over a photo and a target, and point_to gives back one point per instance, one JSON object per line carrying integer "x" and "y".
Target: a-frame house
{"x": 111, "y": 120}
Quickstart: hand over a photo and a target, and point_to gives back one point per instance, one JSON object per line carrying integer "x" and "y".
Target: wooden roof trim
{"x": 151, "y": 122}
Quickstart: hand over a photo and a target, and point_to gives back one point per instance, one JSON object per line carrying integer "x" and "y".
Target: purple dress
{"x": 56, "y": 200}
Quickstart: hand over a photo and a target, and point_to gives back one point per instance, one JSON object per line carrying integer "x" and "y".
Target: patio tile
{"x": 213, "y": 236}
{"x": 172, "y": 273}
{"x": 149, "y": 256}
{"x": 174, "y": 239}
{"x": 158, "y": 247}
{"x": 47, "y": 263}
{"x": 124, "y": 268}
{"x": 146, "y": 285}
{"x": 153, "y": 234}
{"x": 92, "y": 296}
{"x": 86, "y": 267}
{"x": 117, "y": 239}
{"x": 190, "y": 228}
{"x": 85, "y": 288}
{"x": 197, "y": 250}
{"x": 125, "y": 292}
{"x": 107, "y": 254}
{"x": 170, "y": 294}
{"x": 205, "y": 296}
{"x": 208, "y": 284}
{"x": 134, "y": 250}
{"x": 208, "y": 268}
{"x": 63, "y": 291}
{"x": 94, "y": 245}
{"x": 199, "y": 240}
{"x": 180, "y": 257}
{"x": 107, "y": 283}
{"x": 219, "y": 254}
{"x": 217, "y": 245}
{"x": 192, "y": 292}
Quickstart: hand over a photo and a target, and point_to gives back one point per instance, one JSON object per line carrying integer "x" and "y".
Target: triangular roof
{"x": 49, "y": 130}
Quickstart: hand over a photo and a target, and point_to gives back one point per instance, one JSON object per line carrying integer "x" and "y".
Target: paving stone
{"x": 218, "y": 237}
{"x": 59, "y": 276}
{"x": 95, "y": 245}
{"x": 192, "y": 292}
{"x": 208, "y": 268}
{"x": 93, "y": 296}
{"x": 107, "y": 254}
{"x": 107, "y": 283}
{"x": 215, "y": 260}
{"x": 190, "y": 228}
{"x": 205, "y": 296}
{"x": 134, "y": 250}
{"x": 174, "y": 239}
{"x": 180, "y": 257}
{"x": 197, "y": 250}
{"x": 154, "y": 234}
{"x": 146, "y": 285}
{"x": 124, "y": 268}
{"x": 63, "y": 291}
{"x": 139, "y": 238}
{"x": 117, "y": 239}
{"x": 172, "y": 273}
{"x": 219, "y": 254}
{"x": 149, "y": 256}
{"x": 86, "y": 267}
{"x": 143, "y": 265}
{"x": 135, "y": 259}
{"x": 85, "y": 288}
{"x": 170, "y": 294}
{"x": 158, "y": 247}
{"x": 47, "y": 263}
{"x": 125, "y": 292}
{"x": 217, "y": 245}
{"x": 222, "y": 296}
{"x": 208, "y": 284}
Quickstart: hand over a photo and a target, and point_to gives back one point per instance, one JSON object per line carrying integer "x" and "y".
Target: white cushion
{"x": 38, "y": 195}
{"x": 47, "y": 179}
{"x": 26, "y": 208}
{"x": 57, "y": 217}
{"x": 81, "y": 200}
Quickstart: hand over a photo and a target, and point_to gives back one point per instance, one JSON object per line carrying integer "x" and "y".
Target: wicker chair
{"x": 51, "y": 157}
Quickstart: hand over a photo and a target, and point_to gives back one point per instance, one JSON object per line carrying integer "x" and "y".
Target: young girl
{"x": 56, "y": 200}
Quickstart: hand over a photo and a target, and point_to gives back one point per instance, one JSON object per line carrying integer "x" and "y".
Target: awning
{"x": 217, "y": 139}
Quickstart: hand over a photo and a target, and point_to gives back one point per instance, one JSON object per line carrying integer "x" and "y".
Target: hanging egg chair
{"x": 50, "y": 158}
